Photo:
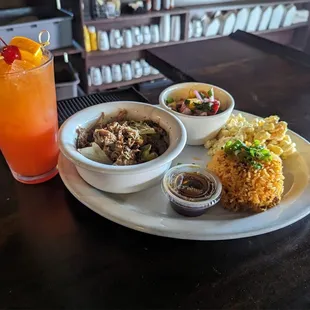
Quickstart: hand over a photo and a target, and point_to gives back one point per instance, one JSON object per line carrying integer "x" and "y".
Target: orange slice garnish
{"x": 28, "y": 57}
{"x": 29, "y": 49}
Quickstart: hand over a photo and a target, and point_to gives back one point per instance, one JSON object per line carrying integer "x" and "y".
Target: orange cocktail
{"x": 28, "y": 117}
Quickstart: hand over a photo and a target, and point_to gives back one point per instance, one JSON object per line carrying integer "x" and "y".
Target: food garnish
{"x": 169, "y": 100}
{"x": 254, "y": 155}
{"x": 9, "y": 53}
{"x": 198, "y": 103}
{"x": 270, "y": 131}
{"x": 121, "y": 141}
{"x": 29, "y": 50}
{"x": 24, "y": 49}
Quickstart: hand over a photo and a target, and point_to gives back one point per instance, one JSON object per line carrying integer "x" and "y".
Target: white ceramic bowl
{"x": 122, "y": 179}
{"x": 199, "y": 128}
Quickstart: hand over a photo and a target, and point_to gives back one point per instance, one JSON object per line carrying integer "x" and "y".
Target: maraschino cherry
{"x": 9, "y": 53}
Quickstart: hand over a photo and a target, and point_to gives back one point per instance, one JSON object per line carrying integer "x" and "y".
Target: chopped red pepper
{"x": 214, "y": 109}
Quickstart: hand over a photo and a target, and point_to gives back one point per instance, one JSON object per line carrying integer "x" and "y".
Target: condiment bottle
{"x": 117, "y": 7}
{"x": 166, "y": 4}
{"x": 148, "y": 5}
{"x": 156, "y": 5}
{"x": 96, "y": 77}
{"x": 93, "y": 38}
{"x": 111, "y": 9}
{"x": 86, "y": 39}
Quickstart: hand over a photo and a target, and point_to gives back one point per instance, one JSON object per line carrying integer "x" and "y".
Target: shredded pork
{"x": 125, "y": 142}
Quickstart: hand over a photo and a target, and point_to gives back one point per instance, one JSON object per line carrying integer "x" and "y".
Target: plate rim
{"x": 158, "y": 231}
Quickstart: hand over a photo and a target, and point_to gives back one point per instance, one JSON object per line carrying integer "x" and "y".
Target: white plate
{"x": 149, "y": 211}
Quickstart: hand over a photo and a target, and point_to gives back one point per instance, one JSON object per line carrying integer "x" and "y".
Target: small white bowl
{"x": 199, "y": 128}
{"x": 122, "y": 179}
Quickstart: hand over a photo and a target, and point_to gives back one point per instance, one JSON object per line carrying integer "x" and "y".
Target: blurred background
{"x": 100, "y": 45}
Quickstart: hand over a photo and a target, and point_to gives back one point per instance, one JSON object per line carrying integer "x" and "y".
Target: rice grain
{"x": 247, "y": 188}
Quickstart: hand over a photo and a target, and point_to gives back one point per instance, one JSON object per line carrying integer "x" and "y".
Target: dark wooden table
{"x": 57, "y": 254}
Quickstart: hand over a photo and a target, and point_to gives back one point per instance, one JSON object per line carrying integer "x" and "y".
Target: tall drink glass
{"x": 28, "y": 121}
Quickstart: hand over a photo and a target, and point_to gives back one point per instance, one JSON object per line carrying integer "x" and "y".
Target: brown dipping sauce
{"x": 192, "y": 186}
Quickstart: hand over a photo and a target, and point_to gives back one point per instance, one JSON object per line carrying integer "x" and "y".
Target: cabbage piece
{"x": 143, "y": 128}
{"x": 95, "y": 153}
{"x": 146, "y": 154}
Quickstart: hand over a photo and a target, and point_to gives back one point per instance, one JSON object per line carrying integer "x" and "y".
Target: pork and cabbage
{"x": 121, "y": 141}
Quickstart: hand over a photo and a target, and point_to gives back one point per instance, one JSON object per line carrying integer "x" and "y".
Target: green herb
{"x": 169, "y": 100}
{"x": 210, "y": 92}
{"x": 257, "y": 165}
{"x": 202, "y": 95}
{"x": 187, "y": 101}
{"x": 146, "y": 154}
{"x": 252, "y": 155}
{"x": 204, "y": 106}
